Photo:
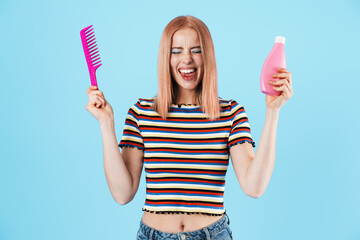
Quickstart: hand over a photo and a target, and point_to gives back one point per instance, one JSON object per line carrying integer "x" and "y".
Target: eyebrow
{"x": 183, "y": 48}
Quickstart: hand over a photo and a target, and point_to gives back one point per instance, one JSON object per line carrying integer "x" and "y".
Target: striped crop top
{"x": 186, "y": 156}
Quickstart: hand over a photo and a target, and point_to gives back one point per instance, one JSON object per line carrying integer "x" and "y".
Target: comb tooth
{"x": 96, "y": 64}
{"x": 92, "y": 47}
{"x": 88, "y": 30}
{"x": 95, "y": 56}
{"x": 90, "y": 36}
{"x": 87, "y": 34}
{"x": 88, "y": 42}
{"x": 94, "y": 60}
{"x": 85, "y": 29}
{"x": 91, "y": 52}
{"x": 91, "y": 42}
{"x": 90, "y": 39}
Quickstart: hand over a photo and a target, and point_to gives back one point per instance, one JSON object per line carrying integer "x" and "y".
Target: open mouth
{"x": 188, "y": 74}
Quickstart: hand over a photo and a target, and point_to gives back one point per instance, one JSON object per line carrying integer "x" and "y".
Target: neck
{"x": 186, "y": 97}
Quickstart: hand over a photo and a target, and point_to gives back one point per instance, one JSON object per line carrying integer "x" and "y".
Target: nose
{"x": 187, "y": 58}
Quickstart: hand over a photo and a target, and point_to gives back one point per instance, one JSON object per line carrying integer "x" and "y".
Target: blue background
{"x": 52, "y": 178}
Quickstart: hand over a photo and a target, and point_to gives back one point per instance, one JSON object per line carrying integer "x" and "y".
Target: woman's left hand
{"x": 284, "y": 84}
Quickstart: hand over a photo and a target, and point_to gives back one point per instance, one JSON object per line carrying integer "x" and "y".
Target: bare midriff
{"x": 174, "y": 223}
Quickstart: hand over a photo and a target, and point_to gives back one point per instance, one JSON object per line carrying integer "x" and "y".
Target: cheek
{"x": 199, "y": 61}
{"x": 173, "y": 62}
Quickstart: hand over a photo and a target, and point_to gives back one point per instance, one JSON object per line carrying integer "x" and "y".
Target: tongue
{"x": 188, "y": 76}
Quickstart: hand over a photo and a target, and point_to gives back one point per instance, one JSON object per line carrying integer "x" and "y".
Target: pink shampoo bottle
{"x": 275, "y": 59}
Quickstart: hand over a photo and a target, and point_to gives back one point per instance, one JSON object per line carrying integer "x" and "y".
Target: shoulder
{"x": 143, "y": 103}
{"x": 230, "y": 104}
{"x": 146, "y": 102}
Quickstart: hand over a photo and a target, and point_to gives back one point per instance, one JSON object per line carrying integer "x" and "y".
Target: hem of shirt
{"x": 240, "y": 142}
{"x": 183, "y": 212}
{"x": 129, "y": 145}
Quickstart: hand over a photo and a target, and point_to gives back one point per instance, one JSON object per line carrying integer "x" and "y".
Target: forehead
{"x": 185, "y": 36}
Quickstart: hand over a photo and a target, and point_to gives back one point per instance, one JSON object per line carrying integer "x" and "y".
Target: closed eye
{"x": 177, "y": 51}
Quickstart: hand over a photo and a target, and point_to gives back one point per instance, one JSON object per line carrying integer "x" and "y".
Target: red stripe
{"x": 241, "y": 129}
{"x": 239, "y": 140}
{"x": 131, "y": 133}
{"x": 185, "y": 203}
{"x": 184, "y": 141}
{"x": 184, "y": 130}
{"x": 183, "y": 180}
{"x": 182, "y": 119}
{"x": 186, "y": 151}
{"x": 179, "y": 191}
{"x": 182, "y": 160}
{"x": 185, "y": 171}
{"x": 131, "y": 143}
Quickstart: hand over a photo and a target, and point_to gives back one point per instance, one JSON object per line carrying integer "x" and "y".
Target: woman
{"x": 184, "y": 136}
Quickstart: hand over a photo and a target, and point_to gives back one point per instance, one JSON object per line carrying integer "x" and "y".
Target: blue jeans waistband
{"x": 203, "y": 233}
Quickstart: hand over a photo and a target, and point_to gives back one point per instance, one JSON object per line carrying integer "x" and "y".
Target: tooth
{"x": 187, "y": 70}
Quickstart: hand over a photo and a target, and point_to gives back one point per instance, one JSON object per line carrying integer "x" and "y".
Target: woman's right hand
{"x": 97, "y": 105}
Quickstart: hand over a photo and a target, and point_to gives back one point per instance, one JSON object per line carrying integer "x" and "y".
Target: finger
{"x": 102, "y": 100}
{"x": 287, "y": 84}
{"x": 97, "y": 92}
{"x": 282, "y": 70}
{"x": 279, "y": 88}
{"x": 278, "y": 82}
{"x": 90, "y": 89}
{"x": 284, "y": 91}
{"x": 96, "y": 101}
{"x": 280, "y": 75}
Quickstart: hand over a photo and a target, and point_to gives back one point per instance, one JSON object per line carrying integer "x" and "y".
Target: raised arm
{"x": 122, "y": 170}
{"x": 254, "y": 170}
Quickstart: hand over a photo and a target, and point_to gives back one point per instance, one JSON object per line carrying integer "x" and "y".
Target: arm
{"x": 122, "y": 170}
{"x": 254, "y": 171}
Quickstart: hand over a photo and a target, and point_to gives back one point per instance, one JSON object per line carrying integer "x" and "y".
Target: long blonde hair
{"x": 207, "y": 90}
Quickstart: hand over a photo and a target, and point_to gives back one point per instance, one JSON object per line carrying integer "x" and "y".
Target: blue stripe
{"x": 187, "y": 143}
{"x": 173, "y": 173}
{"x": 186, "y": 122}
{"x": 221, "y": 164}
{"x": 185, "y": 153}
{"x": 189, "y": 133}
{"x": 186, "y": 206}
{"x": 198, "y": 183}
{"x": 186, "y": 194}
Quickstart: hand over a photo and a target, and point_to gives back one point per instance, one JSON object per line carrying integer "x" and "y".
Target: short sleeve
{"x": 131, "y": 135}
{"x": 240, "y": 128}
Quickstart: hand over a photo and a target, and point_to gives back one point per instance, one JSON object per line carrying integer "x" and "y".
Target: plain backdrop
{"x": 52, "y": 180}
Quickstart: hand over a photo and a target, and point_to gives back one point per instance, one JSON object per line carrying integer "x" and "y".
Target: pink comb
{"x": 92, "y": 58}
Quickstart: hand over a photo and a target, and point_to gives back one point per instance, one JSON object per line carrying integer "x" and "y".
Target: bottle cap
{"x": 280, "y": 39}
